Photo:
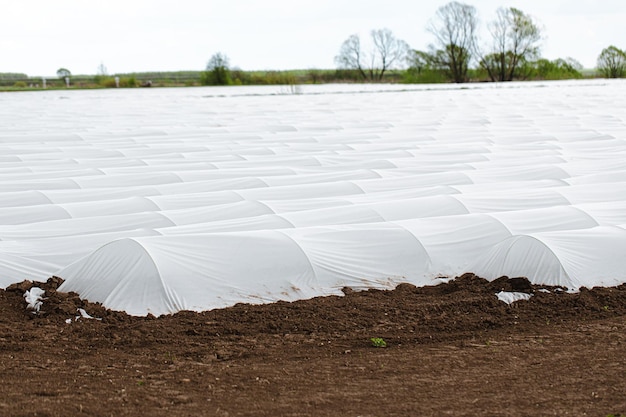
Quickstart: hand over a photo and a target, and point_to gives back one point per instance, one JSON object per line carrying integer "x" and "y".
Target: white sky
{"x": 39, "y": 36}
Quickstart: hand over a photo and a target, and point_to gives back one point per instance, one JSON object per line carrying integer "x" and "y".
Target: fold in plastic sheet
{"x": 521, "y": 256}
{"x": 52, "y": 254}
{"x": 131, "y": 283}
{"x": 12, "y": 266}
{"x": 32, "y": 214}
{"x": 571, "y": 258}
{"x": 23, "y": 198}
{"x": 453, "y": 242}
{"x": 83, "y": 226}
{"x": 166, "y": 274}
{"x": 559, "y": 217}
{"x": 520, "y": 200}
{"x": 362, "y": 256}
{"x": 606, "y": 213}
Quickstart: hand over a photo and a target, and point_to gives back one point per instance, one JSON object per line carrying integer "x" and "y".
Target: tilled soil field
{"x": 453, "y": 349}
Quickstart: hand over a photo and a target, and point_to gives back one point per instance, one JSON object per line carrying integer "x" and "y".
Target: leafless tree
{"x": 454, "y": 27}
{"x": 351, "y": 56}
{"x": 102, "y": 70}
{"x": 387, "y": 52}
{"x": 516, "y": 38}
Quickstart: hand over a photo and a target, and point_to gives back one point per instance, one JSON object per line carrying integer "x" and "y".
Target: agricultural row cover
{"x": 159, "y": 200}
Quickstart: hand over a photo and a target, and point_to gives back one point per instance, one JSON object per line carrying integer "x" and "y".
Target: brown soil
{"x": 453, "y": 349}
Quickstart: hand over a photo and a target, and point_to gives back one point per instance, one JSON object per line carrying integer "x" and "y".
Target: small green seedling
{"x": 378, "y": 342}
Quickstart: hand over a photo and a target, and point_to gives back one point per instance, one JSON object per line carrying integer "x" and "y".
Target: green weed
{"x": 378, "y": 342}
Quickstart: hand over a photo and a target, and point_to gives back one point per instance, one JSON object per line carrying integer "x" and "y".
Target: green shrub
{"x": 559, "y": 69}
{"x": 108, "y": 82}
{"x": 128, "y": 82}
{"x": 424, "y": 76}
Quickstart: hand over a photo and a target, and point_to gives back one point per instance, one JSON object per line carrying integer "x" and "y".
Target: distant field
{"x": 21, "y": 82}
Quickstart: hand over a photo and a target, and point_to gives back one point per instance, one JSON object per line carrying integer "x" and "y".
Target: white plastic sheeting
{"x": 511, "y": 297}
{"x": 153, "y": 201}
{"x": 191, "y": 272}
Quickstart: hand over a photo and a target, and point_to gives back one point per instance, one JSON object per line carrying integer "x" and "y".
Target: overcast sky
{"x": 39, "y": 36}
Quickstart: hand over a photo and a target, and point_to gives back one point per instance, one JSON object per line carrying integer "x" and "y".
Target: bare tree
{"x": 351, "y": 56}
{"x": 516, "y": 39}
{"x": 454, "y": 27}
{"x": 612, "y": 62}
{"x": 102, "y": 70}
{"x": 387, "y": 52}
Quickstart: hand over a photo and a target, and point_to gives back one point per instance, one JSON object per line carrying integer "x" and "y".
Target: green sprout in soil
{"x": 378, "y": 342}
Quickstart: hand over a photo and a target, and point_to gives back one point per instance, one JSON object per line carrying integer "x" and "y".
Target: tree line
{"x": 456, "y": 54}
{"x": 512, "y": 51}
